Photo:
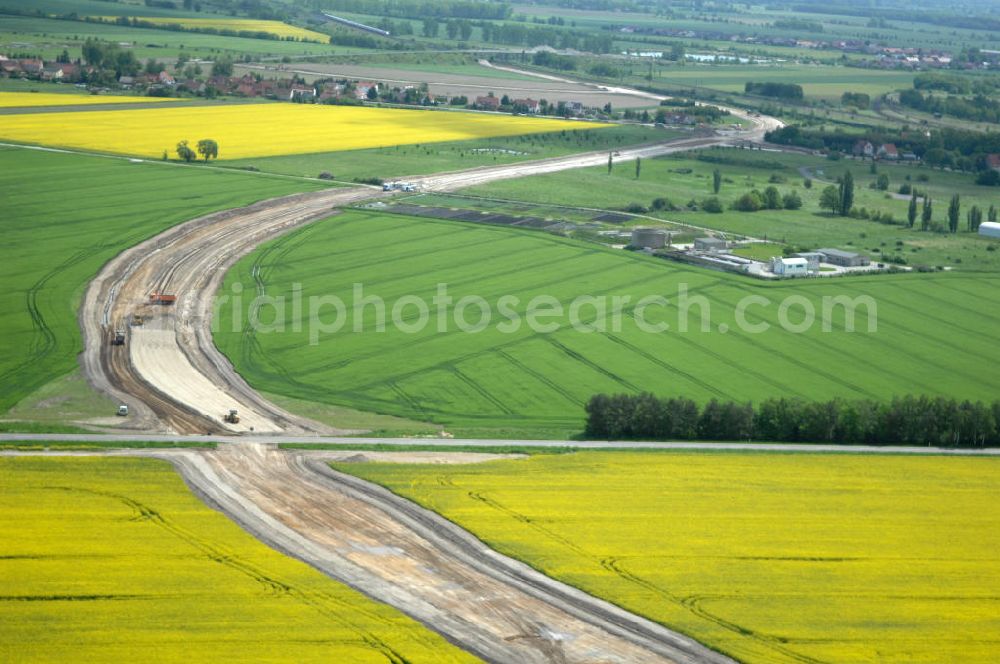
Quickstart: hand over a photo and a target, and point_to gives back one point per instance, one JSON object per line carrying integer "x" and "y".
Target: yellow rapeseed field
{"x": 276, "y": 28}
{"x": 27, "y": 99}
{"x": 114, "y": 560}
{"x": 264, "y": 130}
{"x": 771, "y": 558}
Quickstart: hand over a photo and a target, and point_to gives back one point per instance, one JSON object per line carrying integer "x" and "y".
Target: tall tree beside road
{"x": 846, "y": 194}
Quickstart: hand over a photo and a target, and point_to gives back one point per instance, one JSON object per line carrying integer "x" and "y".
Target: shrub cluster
{"x": 909, "y": 420}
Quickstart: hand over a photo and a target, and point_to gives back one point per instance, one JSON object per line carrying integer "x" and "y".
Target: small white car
{"x": 122, "y": 410}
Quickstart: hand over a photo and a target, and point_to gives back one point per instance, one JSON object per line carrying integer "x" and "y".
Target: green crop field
{"x": 63, "y": 216}
{"x": 402, "y": 160}
{"x": 772, "y": 559}
{"x": 114, "y": 560}
{"x": 818, "y": 81}
{"x": 684, "y": 180}
{"x": 933, "y": 331}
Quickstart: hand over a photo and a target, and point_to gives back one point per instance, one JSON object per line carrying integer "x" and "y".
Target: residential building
{"x": 863, "y": 149}
{"x": 489, "y": 102}
{"x": 531, "y": 105}
{"x": 362, "y": 88}
{"x": 887, "y": 151}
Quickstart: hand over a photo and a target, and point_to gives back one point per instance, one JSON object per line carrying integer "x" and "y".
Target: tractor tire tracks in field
{"x": 413, "y": 559}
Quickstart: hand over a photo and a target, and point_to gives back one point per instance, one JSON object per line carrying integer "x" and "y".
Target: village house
{"x": 531, "y": 105}
{"x": 362, "y": 88}
{"x": 302, "y": 93}
{"x": 863, "y": 149}
{"x": 31, "y": 67}
{"x": 887, "y": 151}
{"x": 489, "y": 102}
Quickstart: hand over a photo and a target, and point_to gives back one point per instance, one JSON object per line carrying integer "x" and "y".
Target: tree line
{"x": 775, "y": 90}
{"x": 907, "y": 420}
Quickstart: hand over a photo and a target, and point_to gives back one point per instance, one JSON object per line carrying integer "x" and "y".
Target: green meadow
{"x": 62, "y": 217}
{"x": 818, "y": 81}
{"x": 933, "y": 332}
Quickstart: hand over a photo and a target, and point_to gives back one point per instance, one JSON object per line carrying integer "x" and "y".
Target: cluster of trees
{"x": 207, "y": 148}
{"x": 454, "y": 28}
{"x": 839, "y": 199}
{"x": 111, "y": 57}
{"x": 909, "y": 420}
{"x": 704, "y": 112}
{"x": 979, "y": 108}
{"x": 769, "y": 199}
{"x": 775, "y": 90}
{"x": 553, "y": 61}
{"x": 856, "y": 99}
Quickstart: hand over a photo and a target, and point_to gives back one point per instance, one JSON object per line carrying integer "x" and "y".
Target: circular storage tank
{"x": 649, "y": 238}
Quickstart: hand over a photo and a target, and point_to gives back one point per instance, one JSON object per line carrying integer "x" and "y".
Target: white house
{"x": 790, "y": 267}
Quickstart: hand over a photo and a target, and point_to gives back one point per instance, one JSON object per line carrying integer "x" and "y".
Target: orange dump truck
{"x": 162, "y": 298}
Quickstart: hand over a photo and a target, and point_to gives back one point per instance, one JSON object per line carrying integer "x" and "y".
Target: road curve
{"x": 169, "y": 371}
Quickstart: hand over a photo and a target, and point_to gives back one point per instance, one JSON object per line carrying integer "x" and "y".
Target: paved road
{"x": 404, "y": 443}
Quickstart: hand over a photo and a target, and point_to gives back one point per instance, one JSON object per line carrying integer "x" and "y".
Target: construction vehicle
{"x": 137, "y": 320}
{"x": 119, "y": 337}
{"x": 162, "y": 298}
{"x": 232, "y": 417}
{"x": 123, "y": 410}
